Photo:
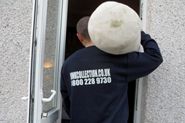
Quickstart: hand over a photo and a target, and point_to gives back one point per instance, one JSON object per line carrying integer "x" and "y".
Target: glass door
{"x": 49, "y": 29}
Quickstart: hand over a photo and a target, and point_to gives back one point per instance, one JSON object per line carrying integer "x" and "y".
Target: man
{"x": 94, "y": 83}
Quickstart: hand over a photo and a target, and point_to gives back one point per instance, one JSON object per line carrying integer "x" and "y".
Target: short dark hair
{"x": 82, "y": 27}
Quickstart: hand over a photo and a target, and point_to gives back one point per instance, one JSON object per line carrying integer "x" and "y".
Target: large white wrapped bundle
{"x": 115, "y": 28}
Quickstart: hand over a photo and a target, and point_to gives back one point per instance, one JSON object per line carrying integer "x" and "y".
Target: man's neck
{"x": 89, "y": 44}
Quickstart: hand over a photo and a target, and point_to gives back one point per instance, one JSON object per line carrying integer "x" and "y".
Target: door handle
{"x": 50, "y": 98}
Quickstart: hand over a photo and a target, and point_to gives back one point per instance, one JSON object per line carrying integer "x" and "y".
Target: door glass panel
{"x": 51, "y": 55}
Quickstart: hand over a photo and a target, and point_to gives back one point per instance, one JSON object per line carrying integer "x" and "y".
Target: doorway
{"x": 78, "y": 9}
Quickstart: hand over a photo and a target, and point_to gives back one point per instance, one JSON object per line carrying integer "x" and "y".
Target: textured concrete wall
{"x": 15, "y": 32}
{"x": 165, "y": 94}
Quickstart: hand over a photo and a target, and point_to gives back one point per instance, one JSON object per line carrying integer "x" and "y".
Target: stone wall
{"x": 165, "y": 92}
{"x": 15, "y": 38}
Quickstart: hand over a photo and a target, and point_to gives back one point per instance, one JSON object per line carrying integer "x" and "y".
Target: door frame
{"x": 39, "y": 15}
{"x": 138, "y": 107}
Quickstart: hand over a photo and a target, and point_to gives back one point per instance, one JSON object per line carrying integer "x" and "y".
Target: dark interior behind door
{"x": 80, "y": 8}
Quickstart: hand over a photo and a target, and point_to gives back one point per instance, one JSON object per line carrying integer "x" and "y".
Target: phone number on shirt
{"x": 91, "y": 81}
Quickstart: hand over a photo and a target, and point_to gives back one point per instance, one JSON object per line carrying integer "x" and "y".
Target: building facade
{"x": 162, "y": 93}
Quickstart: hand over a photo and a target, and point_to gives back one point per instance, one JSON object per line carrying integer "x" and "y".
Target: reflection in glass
{"x": 48, "y": 64}
{"x": 50, "y": 54}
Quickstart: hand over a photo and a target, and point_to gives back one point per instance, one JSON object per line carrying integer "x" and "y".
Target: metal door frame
{"x": 39, "y": 15}
{"x": 140, "y": 82}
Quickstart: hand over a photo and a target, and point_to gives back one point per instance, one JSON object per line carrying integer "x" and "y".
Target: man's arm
{"x": 65, "y": 95}
{"x": 141, "y": 64}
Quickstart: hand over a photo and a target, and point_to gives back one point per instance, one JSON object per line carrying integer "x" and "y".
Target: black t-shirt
{"x": 94, "y": 83}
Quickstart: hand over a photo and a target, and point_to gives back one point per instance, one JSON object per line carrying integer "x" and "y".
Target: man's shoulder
{"x": 82, "y": 53}
{"x": 76, "y": 55}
